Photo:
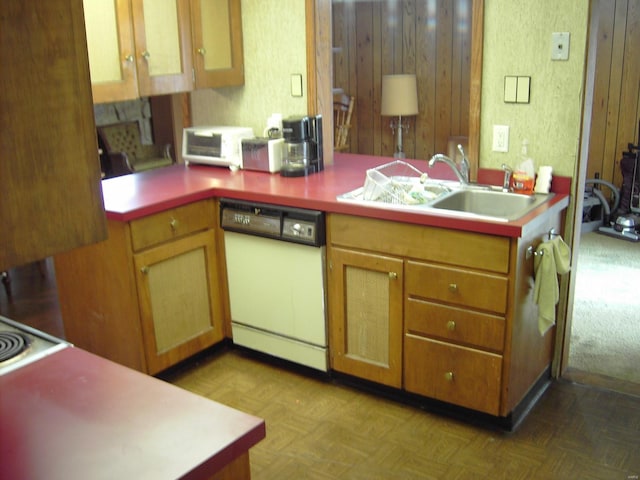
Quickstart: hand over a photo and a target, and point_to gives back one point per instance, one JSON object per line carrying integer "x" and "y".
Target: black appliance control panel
{"x": 289, "y": 224}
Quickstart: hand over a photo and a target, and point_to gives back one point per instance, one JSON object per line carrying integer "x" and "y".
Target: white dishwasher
{"x": 276, "y": 272}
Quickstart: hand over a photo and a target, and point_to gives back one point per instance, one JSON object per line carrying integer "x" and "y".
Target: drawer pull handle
{"x": 448, "y": 376}
{"x": 451, "y": 325}
{"x": 453, "y": 288}
{"x": 173, "y": 224}
{"x": 393, "y": 275}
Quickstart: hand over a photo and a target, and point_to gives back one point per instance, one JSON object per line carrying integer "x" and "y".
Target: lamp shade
{"x": 399, "y": 95}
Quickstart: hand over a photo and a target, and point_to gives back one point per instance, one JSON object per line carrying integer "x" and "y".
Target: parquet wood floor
{"x": 319, "y": 429}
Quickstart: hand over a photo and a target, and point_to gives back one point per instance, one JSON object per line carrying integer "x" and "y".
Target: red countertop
{"x": 133, "y": 196}
{"x": 75, "y": 415}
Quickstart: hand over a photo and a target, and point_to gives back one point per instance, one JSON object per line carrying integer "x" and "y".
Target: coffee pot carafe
{"x": 302, "y": 150}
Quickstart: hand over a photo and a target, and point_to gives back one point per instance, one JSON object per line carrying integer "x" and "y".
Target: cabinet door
{"x": 111, "y": 50}
{"x": 365, "y": 299}
{"x": 50, "y": 191}
{"x": 163, "y": 46}
{"x": 180, "y": 304}
{"x": 217, "y": 43}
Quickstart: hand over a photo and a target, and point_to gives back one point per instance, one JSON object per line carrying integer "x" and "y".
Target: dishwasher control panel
{"x": 302, "y": 230}
{"x": 290, "y": 224}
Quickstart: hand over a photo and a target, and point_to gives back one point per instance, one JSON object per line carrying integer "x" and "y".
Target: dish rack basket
{"x": 389, "y": 183}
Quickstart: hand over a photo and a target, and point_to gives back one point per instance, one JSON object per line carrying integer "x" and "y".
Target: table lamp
{"x": 399, "y": 99}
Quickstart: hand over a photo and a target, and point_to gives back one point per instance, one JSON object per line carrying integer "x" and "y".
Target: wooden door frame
{"x": 574, "y": 215}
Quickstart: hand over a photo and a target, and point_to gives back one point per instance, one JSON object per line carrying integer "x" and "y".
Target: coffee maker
{"x": 302, "y": 150}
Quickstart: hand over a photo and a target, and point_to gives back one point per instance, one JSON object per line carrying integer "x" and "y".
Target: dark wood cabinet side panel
{"x": 99, "y": 301}
{"x": 49, "y": 170}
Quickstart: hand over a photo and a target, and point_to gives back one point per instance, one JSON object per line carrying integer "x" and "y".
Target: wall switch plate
{"x": 296, "y": 85}
{"x": 510, "y": 89}
{"x": 500, "y": 138}
{"x": 560, "y": 46}
{"x": 516, "y": 89}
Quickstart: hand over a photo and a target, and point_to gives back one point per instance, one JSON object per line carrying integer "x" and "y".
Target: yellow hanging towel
{"x": 552, "y": 259}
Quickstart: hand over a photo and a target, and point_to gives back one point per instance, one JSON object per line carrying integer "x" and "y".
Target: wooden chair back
{"x": 342, "y": 112}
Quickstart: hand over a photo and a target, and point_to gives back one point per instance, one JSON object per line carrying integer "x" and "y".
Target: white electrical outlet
{"x": 500, "y": 138}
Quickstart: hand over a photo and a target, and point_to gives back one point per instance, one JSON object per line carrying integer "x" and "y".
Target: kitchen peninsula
{"x": 75, "y": 415}
{"x": 472, "y": 342}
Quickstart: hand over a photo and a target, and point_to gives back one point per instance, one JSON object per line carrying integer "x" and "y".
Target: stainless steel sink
{"x": 499, "y": 205}
{"x": 452, "y": 199}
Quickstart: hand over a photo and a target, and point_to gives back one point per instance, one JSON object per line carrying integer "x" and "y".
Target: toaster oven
{"x": 214, "y": 145}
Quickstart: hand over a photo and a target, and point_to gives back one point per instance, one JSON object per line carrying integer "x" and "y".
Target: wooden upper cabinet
{"x": 50, "y": 192}
{"x": 163, "y": 46}
{"x": 141, "y": 48}
{"x": 138, "y": 48}
{"x": 217, "y": 42}
{"x": 111, "y": 50}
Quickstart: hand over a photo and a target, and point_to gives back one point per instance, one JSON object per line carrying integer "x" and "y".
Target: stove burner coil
{"x": 12, "y": 344}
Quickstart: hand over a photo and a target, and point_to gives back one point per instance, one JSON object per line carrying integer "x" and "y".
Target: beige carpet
{"x": 605, "y": 334}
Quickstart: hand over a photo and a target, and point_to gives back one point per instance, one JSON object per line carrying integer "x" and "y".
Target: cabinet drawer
{"x": 457, "y": 286}
{"x": 170, "y": 224}
{"x": 431, "y": 244}
{"x": 453, "y": 374}
{"x": 454, "y": 324}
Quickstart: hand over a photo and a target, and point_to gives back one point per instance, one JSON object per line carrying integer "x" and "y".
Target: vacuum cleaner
{"x": 626, "y": 202}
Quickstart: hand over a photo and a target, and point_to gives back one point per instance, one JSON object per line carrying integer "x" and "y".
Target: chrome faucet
{"x": 506, "y": 183}
{"x": 438, "y": 157}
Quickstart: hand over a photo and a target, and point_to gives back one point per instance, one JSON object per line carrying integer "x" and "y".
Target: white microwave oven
{"x": 215, "y": 145}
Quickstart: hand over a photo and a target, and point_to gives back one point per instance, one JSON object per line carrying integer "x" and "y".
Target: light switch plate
{"x": 523, "y": 90}
{"x": 560, "y": 45}
{"x": 296, "y": 85}
{"x": 510, "y": 89}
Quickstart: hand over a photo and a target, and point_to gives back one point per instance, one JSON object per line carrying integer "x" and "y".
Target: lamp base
{"x": 397, "y": 126}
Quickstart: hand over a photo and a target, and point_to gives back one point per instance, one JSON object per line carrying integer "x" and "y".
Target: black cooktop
{"x": 12, "y": 344}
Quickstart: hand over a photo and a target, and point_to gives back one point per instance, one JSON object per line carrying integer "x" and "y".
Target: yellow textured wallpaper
{"x": 517, "y": 41}
{"x": 274, "y": 49}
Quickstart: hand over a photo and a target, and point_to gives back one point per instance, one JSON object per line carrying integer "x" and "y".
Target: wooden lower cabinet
{"x": 366, "y": 315}
{"x": 452, "y": 373}
{"x": 176, "y": 299}
{"x": 460, "y": 323}
{"x": 150, "y": 296}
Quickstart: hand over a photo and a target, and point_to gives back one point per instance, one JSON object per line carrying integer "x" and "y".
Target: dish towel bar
{"x": 552, "y": 258}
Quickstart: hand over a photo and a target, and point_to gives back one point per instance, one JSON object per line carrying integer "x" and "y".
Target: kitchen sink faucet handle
{"x": 506, "y": 183}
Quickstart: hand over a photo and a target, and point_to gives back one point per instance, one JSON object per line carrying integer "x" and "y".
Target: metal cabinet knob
{"x": 448, "y": 376}
{"x": 146, "y": 55}
{"x": 451, "y": 325}
{"x": 129, "y": 58}
{"x": 144, "y": 270}
{"x": 393, "y": 275}
{"x": 453, "y": 288}
{"x": 202, "y": 51}
{"x": 173, "y": 224}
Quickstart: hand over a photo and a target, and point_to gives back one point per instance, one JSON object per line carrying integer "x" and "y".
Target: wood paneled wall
{"x": 616, "y": 97}
{"x": 431, "y": 38}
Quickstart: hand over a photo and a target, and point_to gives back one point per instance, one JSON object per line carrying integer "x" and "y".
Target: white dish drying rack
{"x": 397, "y": 183}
